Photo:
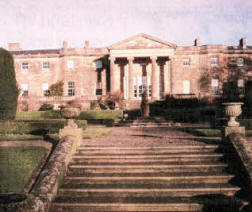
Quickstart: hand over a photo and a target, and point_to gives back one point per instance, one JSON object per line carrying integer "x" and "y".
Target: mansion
{"x": 127, "y": 69}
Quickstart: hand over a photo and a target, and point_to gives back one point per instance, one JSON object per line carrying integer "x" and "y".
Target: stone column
{"x": 112, "y": 75}
{"x": 166, "y": 78}
{"x": 104, "y": 85}
{"x": 130, "y": 76}
{"x": 154, "y": 79}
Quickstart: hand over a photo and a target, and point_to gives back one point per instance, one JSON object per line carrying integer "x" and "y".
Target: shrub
{"x": 38, "y": 115}
{"x": 9, "y": 91}
{"x": 37, "y": 127}
{"x": 46, "y": 107}
{"x": 56, "y": 89}
{"x": 247, "y": 123}
{"x": 101, "y": 114}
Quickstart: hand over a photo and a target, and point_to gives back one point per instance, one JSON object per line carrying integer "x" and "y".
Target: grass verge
{"x": 210, "y": 132}
{"x": 94, "y": 132}
{"x": 17, "y": 165}
{"x": 26, "y": 137}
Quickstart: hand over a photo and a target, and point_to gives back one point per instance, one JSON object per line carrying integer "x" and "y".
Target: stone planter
{"x": 232, "y": 110}
{"x": 70, "y": 112}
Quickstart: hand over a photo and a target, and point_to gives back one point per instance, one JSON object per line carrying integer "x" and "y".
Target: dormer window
{"x": 186, "y": 62}
{"x": 214, "y": 61}
{"x": 240, "y": 62}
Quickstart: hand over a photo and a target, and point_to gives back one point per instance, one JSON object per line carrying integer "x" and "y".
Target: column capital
{"x": 130, "y": 58}
{"x": 112, "y": 59}
{"x": 153, "y": 58}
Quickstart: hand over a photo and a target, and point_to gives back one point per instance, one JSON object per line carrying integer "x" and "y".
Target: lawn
{"x": 94, "y": 132}
{"x": 207, "y": 132}
{"x": 17, "y": 137}
{"x": 17, "y": 164}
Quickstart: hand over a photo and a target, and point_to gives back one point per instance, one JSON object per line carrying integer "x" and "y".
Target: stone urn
{"x": 232, "y": 110}
{"x": 70, "y": 112}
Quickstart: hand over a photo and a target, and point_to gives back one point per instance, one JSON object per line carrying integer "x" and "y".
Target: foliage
{"x": 56, "y": 89}
{"x": 36, "y": 127}
{"x": 247, "y": 123}
{"x": 38, "y": 115}
{"x": 17, "y": 165}
{"x": 111, "y": 101}
{"x": 93, "y": 104}
{"x": 46, "y": 107}
{"x": 9, "y": 90}
{"x": 101, "y": 114}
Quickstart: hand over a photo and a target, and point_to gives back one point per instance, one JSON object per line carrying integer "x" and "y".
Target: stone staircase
{"x": 170, "y": 178}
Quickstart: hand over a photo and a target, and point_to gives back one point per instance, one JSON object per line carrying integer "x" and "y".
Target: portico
{"x": 141, "y": 63}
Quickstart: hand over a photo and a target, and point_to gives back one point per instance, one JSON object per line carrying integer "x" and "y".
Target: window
{"x": 99, "y": 88}
{"x": 186, "y": 87}
{"x": 186, "y": 62}
{"x": 70, "y": 64}
{"x": 45, "y": 65}
{"x": 215, "y": 86}
{"x": 71, "y": 90}
{"x": 240, "y": 86}
{"x": 45, "y": 89}
{"x": 24, "y": 90}
{"x": 240, "y": 62}
{"x": 98, "y": 64}
{"x": 149, "y": 90}
{"x": 214, "y": 61}
{"x": 25, "y": 66}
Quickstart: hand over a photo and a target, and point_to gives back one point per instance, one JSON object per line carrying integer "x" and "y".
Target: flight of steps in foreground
{"x": 171, "y": 178}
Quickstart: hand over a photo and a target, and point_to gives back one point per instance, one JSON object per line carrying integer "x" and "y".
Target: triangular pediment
{"x": 142, "y": 41}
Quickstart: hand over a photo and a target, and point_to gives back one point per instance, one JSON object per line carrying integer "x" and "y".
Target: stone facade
{"x": 128, "y": 68}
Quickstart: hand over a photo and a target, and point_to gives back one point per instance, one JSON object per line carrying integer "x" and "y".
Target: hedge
{"x": 247, "y": 123}
{"x": 36, "y": 127}
{"x": 85, "y": 115}
{"x": 38, "y": 115}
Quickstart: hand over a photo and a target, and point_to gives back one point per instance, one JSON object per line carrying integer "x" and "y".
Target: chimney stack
{"x": 197, "y": 42}
{"x": 86, "y": 44}
{"x": 64, "y": 44}
{"x": 243, "y": 43}
{"x": 14, "y": 47}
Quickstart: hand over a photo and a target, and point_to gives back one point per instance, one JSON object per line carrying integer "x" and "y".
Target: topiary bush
{"x": 9, "y": 90}
{"x": 46, "y": 107}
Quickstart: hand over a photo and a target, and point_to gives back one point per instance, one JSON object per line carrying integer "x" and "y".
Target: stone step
{"x": 144, "y": 150}
{"x": 150, "y": 156}
{"x": 171, "y": 204}
{"x": 139, "y": 173}
{"x": 69, "y": 190}
{"x": 142, "y": 180}
{"x": 164, "y": 169}
{"x": 81, "y": 159}
{"x": 146, "y": 165}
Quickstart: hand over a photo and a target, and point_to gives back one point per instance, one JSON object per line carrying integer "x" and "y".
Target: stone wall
{"x": 244, "y": 151}
{"x": 45, "y": 188}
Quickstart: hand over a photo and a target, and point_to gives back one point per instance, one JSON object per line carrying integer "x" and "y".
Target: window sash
{"x": 71, "y": 89}
{"x": 25, "y": 66}
{"x": 45, "y": 65}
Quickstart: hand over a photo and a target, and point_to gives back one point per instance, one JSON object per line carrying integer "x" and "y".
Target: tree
{"x": 9, "y": 90}
{"x": 56, "y": 89}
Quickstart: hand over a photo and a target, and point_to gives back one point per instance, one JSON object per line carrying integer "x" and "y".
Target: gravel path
{"x": 144, "y": 136}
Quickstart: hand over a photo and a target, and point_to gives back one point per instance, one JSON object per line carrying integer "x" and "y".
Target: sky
{"x": 44, "y": 24}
